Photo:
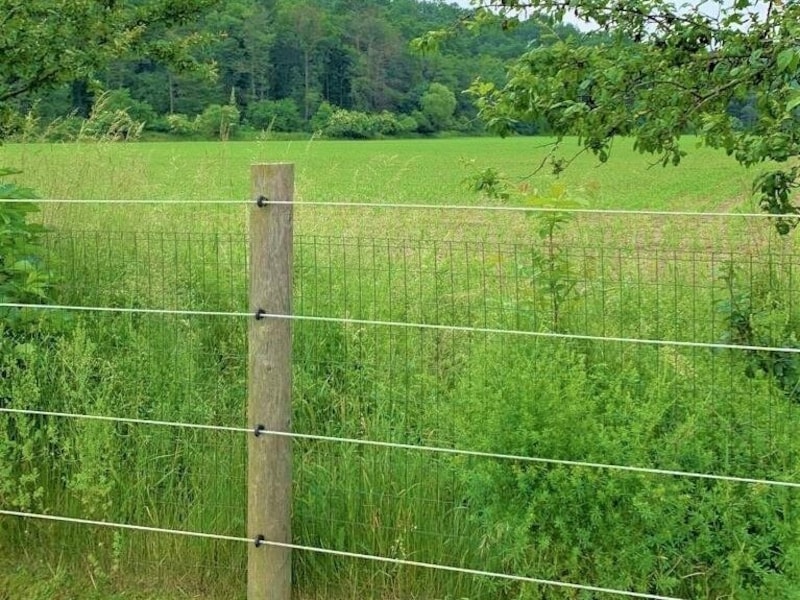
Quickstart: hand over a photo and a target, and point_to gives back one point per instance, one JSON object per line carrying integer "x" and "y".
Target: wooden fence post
{"x": 269, "y": 471}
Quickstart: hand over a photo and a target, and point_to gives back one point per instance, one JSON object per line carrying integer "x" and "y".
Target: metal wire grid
{"x": 606, "y": 292}
{"x": 168, "y": 271}
{"x": 484, "y": 284}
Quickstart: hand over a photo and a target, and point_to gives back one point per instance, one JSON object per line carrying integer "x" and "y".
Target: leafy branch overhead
{"x": 48, "y": 42}
{"x": 654, "y": 71}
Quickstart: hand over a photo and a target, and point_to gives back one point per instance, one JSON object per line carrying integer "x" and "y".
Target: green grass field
{"x": 707, "y": 279}
{"x": 425, "y": 171}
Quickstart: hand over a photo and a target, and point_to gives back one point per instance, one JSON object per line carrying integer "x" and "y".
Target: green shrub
{"x": 628, "y": 406}
{"x": 180, "y": 124}
{"x": 759, "y": 310}
{"x": 424, "y": 124}
{"x": 24, "y": 279}
{"x": 121, "y": 100}
{"x": 351, "y": 125}
{"x": 321, "y": 118}
{"x": 217, "y": 121}
{"x": 406, "y": 124}
{"x": 23, "y": 276}
{"x": 275, "y": 115}
{"x": 66, "y": 129}
{"x": 110, "y": 119}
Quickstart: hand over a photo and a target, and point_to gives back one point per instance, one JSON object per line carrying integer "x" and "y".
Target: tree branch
{"x": 32, "y": 83}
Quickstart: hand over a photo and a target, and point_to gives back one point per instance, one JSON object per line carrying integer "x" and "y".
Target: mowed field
{"x": 522, "y": 372}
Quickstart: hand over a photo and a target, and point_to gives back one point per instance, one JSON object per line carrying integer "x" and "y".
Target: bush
{"x": 120, "y": 100}
{"x": 322, "y": 117}
{"x": 218, "y": 122}
{"x": 423, "y": 123}
{"x": 759, "y": 310}
{"x": 353, "y": 124}
{"x": 674, "y": 536}
{"x": 110, "y": 120}
{"x": 63, "y": 130}
{"x": 180, "y": 125}
{"x": 275, "y": 115}
{"x": 407, "y": 124}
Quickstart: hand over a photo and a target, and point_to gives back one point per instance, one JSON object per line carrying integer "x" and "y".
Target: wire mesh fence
{"x": 557, "y": 390}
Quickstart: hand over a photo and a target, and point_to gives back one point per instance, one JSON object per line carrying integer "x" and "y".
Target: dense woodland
{"x": 291, "y": 65}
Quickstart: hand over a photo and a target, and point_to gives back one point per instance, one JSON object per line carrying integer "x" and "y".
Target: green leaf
{"x": 24, "y": 266}
{"x": 787, "y": 60}
{"x": 794, "y": 101}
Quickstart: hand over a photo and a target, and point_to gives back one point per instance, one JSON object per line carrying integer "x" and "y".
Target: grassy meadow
{"x": 686, "y": 408}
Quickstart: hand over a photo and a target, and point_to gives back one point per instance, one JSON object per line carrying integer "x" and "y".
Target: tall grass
{"x": 662, "y": 407}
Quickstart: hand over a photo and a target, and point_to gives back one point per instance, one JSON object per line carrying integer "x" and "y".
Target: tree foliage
{"x": 47, "y": 42}
{"x": 438, "y": 105}
{"x": 655, "y": 70}
{"x": 44, "y": 43}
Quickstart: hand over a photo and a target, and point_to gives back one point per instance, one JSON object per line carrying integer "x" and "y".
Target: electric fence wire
{"x": 418, "y": 206}
{"x": 260, "y": 430}
{"x": 408, "y": 325}
{"x": 343, "y": 554}
{"x": 126, "y": 420}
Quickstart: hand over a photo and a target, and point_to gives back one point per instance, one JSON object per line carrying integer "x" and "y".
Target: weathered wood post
{"x": 269, "y": 472}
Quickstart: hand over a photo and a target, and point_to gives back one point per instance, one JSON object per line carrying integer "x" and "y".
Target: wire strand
{"x": 130, "y": 421}
{"x": 415, "y": 447}
{"x": 343, "y": 554}
{"x": 528, "y": 209}
{"x": 124, "y": 310}
{"x": 535, "y": 459}
{"x": 419, "y": 206}
{"x": 146, "y": 528}
{"x": 109, "y": 201}
{"x": 407, "y": 325}
{"x": 476, "y": 572}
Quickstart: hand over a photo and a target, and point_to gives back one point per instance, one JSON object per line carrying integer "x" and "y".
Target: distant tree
{"x": 654, "y": 70}
{"x": 242, "y": 50}
{"x": 306, "y": 26}
{"x": 380, "y": 58}
{"x": 438, "y": 105}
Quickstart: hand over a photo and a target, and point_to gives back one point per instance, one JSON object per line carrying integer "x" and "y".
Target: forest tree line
{"x": 343, "y": 67}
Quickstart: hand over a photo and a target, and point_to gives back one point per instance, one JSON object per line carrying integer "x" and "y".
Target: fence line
{"x": 260, "y": 430}
{"x": 260, "y": 542}
{"x": 407, "y": 325}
